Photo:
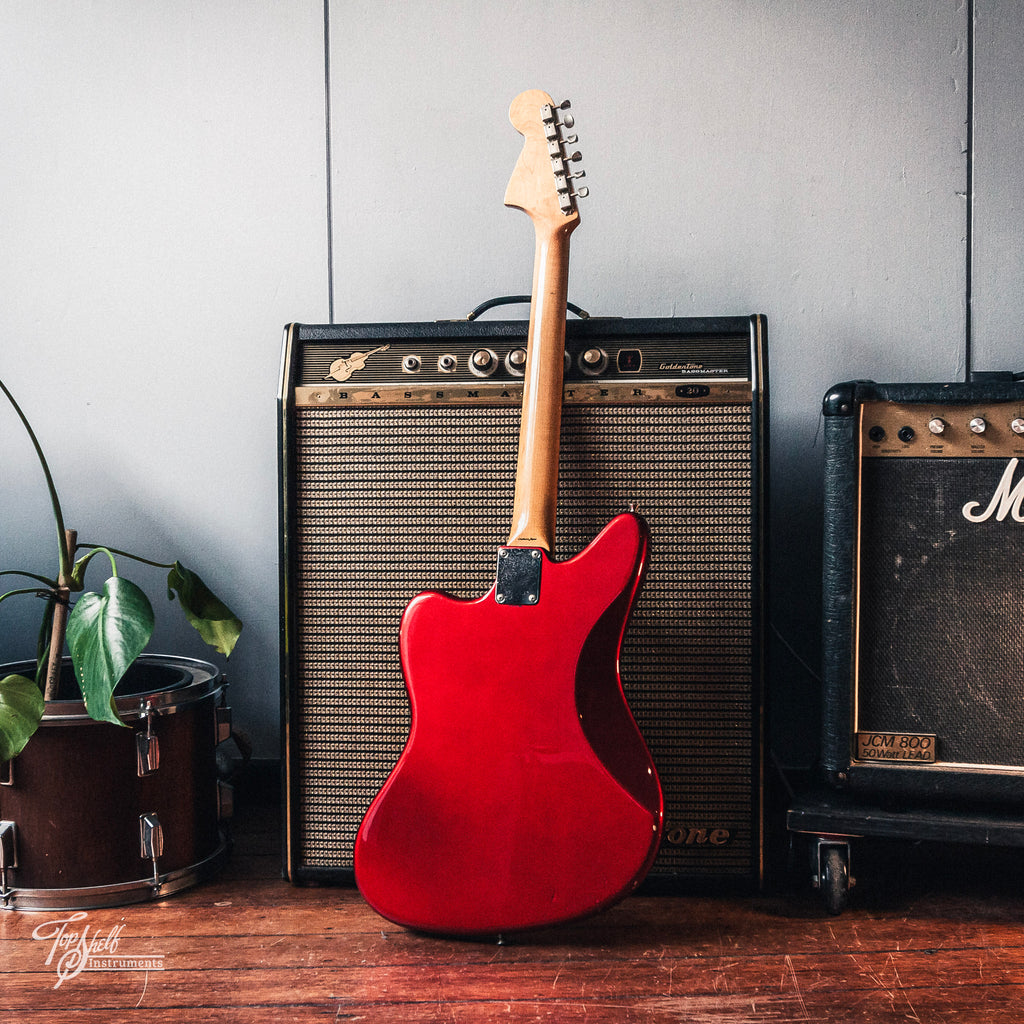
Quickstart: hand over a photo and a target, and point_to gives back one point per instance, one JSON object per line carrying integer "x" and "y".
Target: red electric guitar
{"x": 525, "y": 795}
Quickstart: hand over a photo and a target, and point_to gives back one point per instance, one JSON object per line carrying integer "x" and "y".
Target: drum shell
{"x": 76, "y": 796}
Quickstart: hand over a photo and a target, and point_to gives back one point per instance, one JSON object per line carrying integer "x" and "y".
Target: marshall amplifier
{"x": 923, "y": 616}
{"x": 398, "y": 453}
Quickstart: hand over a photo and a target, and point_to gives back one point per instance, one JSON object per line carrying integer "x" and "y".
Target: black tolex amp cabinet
{"x": 398, "y": 450}
{"x": 923, "y": 586}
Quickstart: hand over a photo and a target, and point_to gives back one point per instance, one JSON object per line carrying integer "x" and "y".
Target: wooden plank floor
{"x": 932, "y": 942}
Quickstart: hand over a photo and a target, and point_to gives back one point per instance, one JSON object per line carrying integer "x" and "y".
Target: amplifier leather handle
{"x": 512, "y": 300}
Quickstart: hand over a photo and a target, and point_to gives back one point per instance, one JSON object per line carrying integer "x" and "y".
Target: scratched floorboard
{"x": 929, "y": 937}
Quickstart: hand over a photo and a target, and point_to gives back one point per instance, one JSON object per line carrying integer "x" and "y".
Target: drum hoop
{"x": 207, "y": 680}
{"x": 119, "y": 893}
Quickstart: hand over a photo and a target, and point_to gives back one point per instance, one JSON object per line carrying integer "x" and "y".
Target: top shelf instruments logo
{"x": 76, "y": 947}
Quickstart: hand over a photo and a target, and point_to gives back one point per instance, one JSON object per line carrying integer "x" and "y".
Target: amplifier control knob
{"x": 978, "y": 425}
{"x": 515, "y": 362}
{"x": 593, "y": 361}
{"x": 483, "y": 362}
{"x": 937, "y": 425}
{"x": 1017, "y": 425}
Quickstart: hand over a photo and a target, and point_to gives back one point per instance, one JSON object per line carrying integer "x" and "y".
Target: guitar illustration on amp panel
{"x": 525, "y": 795}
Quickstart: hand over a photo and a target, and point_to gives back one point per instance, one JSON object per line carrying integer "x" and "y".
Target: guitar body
{"x": 525, "y": 795}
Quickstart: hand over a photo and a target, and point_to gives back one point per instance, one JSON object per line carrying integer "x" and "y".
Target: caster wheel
{"x": 835, "y": 878}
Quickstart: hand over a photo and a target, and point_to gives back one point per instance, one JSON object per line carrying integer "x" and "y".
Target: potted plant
{"x": 106, "y": 700}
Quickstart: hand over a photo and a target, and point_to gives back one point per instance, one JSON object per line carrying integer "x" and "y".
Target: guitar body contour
{"x": 525, "y": 795}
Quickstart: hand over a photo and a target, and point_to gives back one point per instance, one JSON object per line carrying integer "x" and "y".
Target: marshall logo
{"x": 1006, "y": 500}
{"x": 343, "y": 368}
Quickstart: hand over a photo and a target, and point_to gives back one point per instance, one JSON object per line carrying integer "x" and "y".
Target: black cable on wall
{"x": 969, "y": 201}
{"x": 327, "y": 134}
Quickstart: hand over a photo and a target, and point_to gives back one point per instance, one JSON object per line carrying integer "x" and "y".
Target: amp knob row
{"x": 483, "y": 362}
{"x": 977, "y": 425}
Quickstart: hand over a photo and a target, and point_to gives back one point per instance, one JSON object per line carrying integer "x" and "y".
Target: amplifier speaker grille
{"x": 388, "y": 502}
{"x": 941, "y": 637}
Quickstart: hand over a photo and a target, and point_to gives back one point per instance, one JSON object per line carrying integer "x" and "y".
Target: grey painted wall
{"x": 163, "y": 215}
{"x": 165, "y": 211}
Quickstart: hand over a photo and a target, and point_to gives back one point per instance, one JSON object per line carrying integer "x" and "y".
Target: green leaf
{"x": 216, "y": 622}
{"x": 76, "y": 582}
{"x": 21, "y": 709}
{"x": 106, "y": 633}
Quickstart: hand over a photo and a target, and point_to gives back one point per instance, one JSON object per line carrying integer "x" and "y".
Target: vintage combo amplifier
{"x": 923, "y": 580}
{"x": 397, "y": 453}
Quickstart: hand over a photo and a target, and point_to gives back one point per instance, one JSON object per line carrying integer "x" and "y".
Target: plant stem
{"x": 128, "y": 554}
{"x": 63, "y": 551}
{"x": 96, "y": 549}
{"x": 60, "y": 623}
{"x": 49, "y": 584}
{"x": 26, "y": 590}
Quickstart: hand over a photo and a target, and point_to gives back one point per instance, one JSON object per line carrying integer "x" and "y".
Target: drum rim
{"x": 118, "y": 893}
{"x": 202, "y": 678}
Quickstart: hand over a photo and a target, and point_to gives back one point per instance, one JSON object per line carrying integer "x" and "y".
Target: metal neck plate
{"x": 518, "y": 579}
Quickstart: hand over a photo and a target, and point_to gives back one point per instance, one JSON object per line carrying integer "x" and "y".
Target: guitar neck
{"x": 536, "y": 494}
{"x": 541, "y": 185}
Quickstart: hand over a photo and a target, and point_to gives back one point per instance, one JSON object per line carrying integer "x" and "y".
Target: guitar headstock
{"x": 542, "y": 183}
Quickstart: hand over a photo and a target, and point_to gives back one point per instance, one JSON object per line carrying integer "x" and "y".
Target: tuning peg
{"x": 566, "y": 197}
{"x": 562, "y": 181}
{"x": 548, "y": 114}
